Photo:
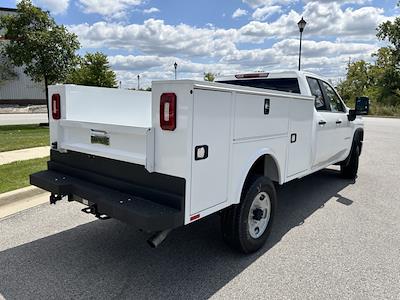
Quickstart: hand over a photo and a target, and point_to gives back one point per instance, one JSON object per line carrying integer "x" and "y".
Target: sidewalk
{"x": 24, "y": 154}
{"x": 19, "y": 119}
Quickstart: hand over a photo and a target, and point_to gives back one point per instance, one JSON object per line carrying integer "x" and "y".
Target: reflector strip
{"x": 194, "y": 217}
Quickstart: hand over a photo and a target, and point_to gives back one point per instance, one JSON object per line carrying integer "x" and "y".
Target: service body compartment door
{"x": 300, "y": 136}
{"x": 211, "y": 144}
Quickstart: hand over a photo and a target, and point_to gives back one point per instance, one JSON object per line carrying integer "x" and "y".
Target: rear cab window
{"x": 290, "y": 85}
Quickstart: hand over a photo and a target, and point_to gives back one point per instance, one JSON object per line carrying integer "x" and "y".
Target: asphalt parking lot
{"x": 333, "y": 239}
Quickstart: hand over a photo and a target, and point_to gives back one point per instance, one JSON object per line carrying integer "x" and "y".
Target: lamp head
{"x": 302, "y": 24}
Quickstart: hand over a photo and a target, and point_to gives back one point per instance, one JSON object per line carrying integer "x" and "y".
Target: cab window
{"x": 290, "y": 85}
{"x": 332, "y": 98}
{"x": 316, "y": 91}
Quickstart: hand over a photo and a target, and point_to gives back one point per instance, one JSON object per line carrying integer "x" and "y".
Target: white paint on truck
{"x": 221, "y": 131}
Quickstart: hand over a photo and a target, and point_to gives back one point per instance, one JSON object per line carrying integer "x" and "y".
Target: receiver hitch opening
{"x": 55, "y": 197}
{"x": 92, "y": 209}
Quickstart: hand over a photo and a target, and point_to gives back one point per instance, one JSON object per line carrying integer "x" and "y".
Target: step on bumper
{"x": 142, "y": 213}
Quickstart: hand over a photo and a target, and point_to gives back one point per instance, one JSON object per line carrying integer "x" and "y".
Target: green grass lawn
{"x": 16, "y": 137}
{"x": 16, "y": 175}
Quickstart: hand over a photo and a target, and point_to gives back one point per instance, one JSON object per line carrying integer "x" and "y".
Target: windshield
{"x": 290, "y": 85}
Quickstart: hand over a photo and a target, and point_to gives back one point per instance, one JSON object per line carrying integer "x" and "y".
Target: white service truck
{"x": 162, "y": 159}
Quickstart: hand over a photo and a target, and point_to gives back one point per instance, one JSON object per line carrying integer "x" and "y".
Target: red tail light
{"x": 56, "y": 106}
{"x": 168, "y": 111}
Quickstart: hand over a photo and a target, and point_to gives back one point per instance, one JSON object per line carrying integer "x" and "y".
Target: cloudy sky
{"x": 146, "y": 37}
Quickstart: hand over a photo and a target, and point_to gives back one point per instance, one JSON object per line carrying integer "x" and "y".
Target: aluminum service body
{"x": 232, "y": 121}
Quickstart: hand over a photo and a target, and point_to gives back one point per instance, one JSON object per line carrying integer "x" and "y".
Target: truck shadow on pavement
{"x": 108, "y": 259}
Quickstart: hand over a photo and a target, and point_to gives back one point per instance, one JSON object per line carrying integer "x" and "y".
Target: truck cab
{"x": 188, "y": 149}
{"x": 332, "y": 130}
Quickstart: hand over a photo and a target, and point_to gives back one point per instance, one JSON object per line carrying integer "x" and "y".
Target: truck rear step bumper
{"x": 142, "y": 213}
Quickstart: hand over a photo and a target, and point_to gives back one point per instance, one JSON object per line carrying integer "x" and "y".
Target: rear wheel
{"x": 349, "y": 170}
{"x": 246, "y": 226}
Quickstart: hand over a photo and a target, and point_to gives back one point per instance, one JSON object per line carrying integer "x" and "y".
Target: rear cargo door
{"x": 110, "y": 123}
{"x": 211, "y": 144}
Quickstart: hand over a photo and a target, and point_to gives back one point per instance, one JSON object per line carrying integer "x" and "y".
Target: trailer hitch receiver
{"x": 54, "y": 198}
{"x": 92, "y": 209}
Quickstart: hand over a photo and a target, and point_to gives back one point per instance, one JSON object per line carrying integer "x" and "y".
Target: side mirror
{"x": 362, "y": 105}
{"x": 352, "y": 115}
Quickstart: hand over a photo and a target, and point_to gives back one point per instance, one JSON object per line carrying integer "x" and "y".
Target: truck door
{"x": 343, "y": 130}
{"x": 324, "y": 144}
{"x": 211, "y": 144}
{"x": 300, "y": 146}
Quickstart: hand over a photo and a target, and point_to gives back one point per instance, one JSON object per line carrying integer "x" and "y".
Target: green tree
{"x": 7, "y": 71}
{"x": 390, "y": 31}
{"x": 209, "y": 76}
{"x": 357, "y": 81}
{"x": 93, "y": 70}
{"x": 381, "y": 79}
{"x": 389, "y": 59}
{"x": 385, "y": 79}
{"x": 44, "y": 49}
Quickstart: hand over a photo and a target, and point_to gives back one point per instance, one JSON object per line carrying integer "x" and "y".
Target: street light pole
{"x": 175, "y": 66}
{"x": 302, "y": 24}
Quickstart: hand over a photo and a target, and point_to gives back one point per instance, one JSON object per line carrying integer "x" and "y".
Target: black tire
{"x": 234, "y": 221}
{"x": 349, "y": 170}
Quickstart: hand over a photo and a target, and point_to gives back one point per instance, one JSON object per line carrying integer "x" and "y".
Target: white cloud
{"x": 315, "y": 49}
{"x": 112, "y": 9}
{"x": 151, "y": 10}
{"x": 54, "y": 6}
{"x": 239, "y": 13}
{"x": 339, "y": 1}
{"x": 262, "y": 3}
{"x": 287, "y": 48}
{"x": 324, "y": 20}
{"x": 155, "y": 37}
{"x": 264, "y": 12}
{"x": 327, "y": 58}
{"x": 152, "y": 67}
{"x": 333, "y": 34}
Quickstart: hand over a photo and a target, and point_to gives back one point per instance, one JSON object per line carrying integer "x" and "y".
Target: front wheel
{"x": 246, "y": 226}
{"x": 349, "y": 170}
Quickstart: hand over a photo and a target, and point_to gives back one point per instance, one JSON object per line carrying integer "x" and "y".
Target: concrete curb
{"x": 20, "y": 194}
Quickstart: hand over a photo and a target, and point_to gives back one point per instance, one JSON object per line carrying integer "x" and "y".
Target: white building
{"x": 20, "y": 90}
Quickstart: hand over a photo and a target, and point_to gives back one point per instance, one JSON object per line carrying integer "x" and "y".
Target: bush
{"x": 385, "y": 110}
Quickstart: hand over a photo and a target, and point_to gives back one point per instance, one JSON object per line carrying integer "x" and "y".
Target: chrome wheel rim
{"x": 259, "y": 215}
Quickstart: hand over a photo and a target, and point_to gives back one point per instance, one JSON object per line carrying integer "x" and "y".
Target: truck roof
{"x": 272, "y": 74}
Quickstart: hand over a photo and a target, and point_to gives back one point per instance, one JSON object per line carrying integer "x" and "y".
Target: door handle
{"x": 339, "y": 122}
{"x": 293, "y": 138}
{"x": 201, "y": 152}
{"x": 322, "y": 122}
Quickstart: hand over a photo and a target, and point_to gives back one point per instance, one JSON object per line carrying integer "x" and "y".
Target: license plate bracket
{"x": 99, "y": 137}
